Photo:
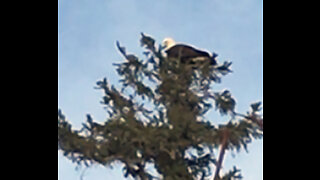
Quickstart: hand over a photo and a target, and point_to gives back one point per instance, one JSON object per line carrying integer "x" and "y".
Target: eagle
{"x": 187, "y": 53}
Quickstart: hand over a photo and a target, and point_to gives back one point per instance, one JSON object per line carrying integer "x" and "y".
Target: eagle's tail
{"x": 213, "y": 58}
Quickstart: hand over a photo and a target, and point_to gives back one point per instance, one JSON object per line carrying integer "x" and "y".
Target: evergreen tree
{"x": 158, "y": 117}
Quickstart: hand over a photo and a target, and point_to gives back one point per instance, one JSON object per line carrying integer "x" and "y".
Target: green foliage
{"x": 160, "y": 119}
{"x": 233, "y": 174}
{"x": 224, "y": 102}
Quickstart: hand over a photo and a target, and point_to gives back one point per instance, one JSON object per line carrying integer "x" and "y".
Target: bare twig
{"x": 224, "y": 143}
{"x": 82, "y": 173}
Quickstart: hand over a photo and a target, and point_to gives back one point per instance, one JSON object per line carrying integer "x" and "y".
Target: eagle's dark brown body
{"x": 187, "y": 53}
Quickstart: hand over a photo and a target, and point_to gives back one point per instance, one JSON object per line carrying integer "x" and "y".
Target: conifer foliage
{"x": 158, "y": 117}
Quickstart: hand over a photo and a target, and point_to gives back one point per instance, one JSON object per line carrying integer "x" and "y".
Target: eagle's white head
{"x": 168, "y": 43}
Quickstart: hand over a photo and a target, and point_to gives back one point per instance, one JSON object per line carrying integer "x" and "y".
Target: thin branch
{"x": 225, "y": 136}
{"x": 82, "y": 173}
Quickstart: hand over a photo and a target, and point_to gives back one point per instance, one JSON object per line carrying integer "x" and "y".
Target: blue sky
{"x": 88, "y": 30}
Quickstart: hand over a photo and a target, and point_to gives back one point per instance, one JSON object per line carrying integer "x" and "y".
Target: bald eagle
{"x": 186, "y": 53}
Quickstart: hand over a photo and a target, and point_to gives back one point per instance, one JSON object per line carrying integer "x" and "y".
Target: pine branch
{"x": 254, "y": 118}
